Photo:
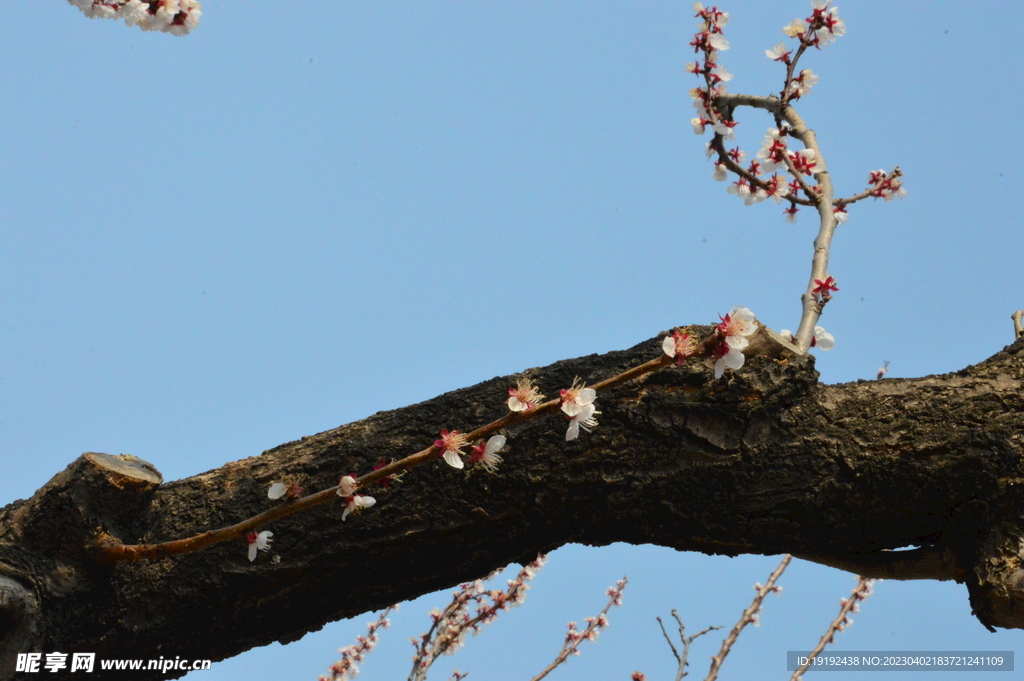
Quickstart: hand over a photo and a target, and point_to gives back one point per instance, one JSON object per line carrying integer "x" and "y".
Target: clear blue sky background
{"x": 304, "y": 213}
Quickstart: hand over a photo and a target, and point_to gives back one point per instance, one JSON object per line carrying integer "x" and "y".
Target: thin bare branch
{"x": 686, "y": 641}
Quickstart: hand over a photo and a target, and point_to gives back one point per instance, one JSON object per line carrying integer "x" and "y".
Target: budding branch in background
{"x": 749, "y": 616}
{"x": 860, "y": 592}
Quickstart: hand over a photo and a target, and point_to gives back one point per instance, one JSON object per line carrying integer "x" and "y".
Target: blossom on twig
{"x": 583, "y": 419}
{"x": 356, "y": 503}
{"x": 258, "y": 542}
{"x": 679, "y": 345}
{"x": 280, "y": 489}
{"x": 824, "y": 288}
{"x": 451, "y": 445}
{"x": 735, "y": 329}
{"x": 486, "y": 454}
{"x": 347, "y": 486}
{"x": 577, "y": 397}
{"x": 524, "y": 396}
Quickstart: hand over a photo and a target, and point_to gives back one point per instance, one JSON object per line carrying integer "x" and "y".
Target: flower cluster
{"x": 819, "y": 29}
{"x": 886, "y": 186}
{"x": 735, "y": 330}
{"x": 707, "y": 42}
{"x": 354, "y": 503}
{"x": 345, "y": 668}
{"x": 177, "y": 17}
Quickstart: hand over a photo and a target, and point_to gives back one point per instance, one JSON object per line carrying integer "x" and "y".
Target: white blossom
{"x": 258, "y": 542}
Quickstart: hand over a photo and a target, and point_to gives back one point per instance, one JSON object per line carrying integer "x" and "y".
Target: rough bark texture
{"x": 765, "y": 461}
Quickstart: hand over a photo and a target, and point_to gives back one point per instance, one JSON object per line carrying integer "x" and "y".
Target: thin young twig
{"x": 686, "y": 641}
{"x": 110, "y": 550}
{"x": 594, "y": 625}
{"x": 842, "y": 620}
{"x": 1018, "y": 328}
{"x": 749, "y": 616}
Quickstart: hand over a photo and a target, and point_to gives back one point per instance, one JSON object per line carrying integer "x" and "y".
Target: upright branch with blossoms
{"x": 720, "y": 431}
{"x": 778, "y": 171}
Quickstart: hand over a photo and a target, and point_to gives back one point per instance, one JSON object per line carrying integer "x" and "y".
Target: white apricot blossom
{"x": 258, "y": 542}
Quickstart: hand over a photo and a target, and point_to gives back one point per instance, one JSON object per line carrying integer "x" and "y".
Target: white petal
{"x": 825, "y": 340}
{"x": 263, "y": 540}
{"x": 495, "y": 444}
{"x": 252, "y": 552}
{"x": 574, "y": 430}
{"x": 346, "y": 486}
{"x": 453, "y": 459}
{"x": 719, "y": 367}
{"x": 277, "y": 490}
{"x": 734, "y": 359}
{"x": 737, "y": 342}
{"x": 571, "y": 408}
{"x": 587, "y": 395}
{"x": 669, "y": 346}
{"x": 365, "y": 502}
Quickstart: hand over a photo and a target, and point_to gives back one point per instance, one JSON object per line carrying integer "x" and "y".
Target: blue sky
{"x": 294, "y": 218}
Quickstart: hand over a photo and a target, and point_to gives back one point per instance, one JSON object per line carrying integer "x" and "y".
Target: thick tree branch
{"x": 765, "y": 461}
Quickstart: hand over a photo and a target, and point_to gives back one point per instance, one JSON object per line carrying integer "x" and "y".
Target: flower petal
{"x": 453, "y": 459}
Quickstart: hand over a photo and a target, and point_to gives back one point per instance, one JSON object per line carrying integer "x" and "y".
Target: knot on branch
{"x": 97, "y": 493}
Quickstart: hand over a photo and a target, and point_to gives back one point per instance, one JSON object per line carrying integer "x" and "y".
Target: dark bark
{"x": 765, "y": 461}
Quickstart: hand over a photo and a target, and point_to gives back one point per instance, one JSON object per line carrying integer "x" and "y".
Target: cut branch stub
{"x": 96, "y": 493}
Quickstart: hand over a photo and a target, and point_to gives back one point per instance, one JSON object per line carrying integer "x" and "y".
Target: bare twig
{"x": 1018, "y": 329}
{"x": 686, "y": 641}
{"x": 749, "y": 616}
{"x": 842, "y": 620}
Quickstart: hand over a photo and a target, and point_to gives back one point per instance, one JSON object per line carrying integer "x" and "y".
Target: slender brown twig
{"x": 749, "y": 616}
{"x": 110, "y": 550}
{"x": 594, "y": 625}
{"x": 842, "y": 620}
